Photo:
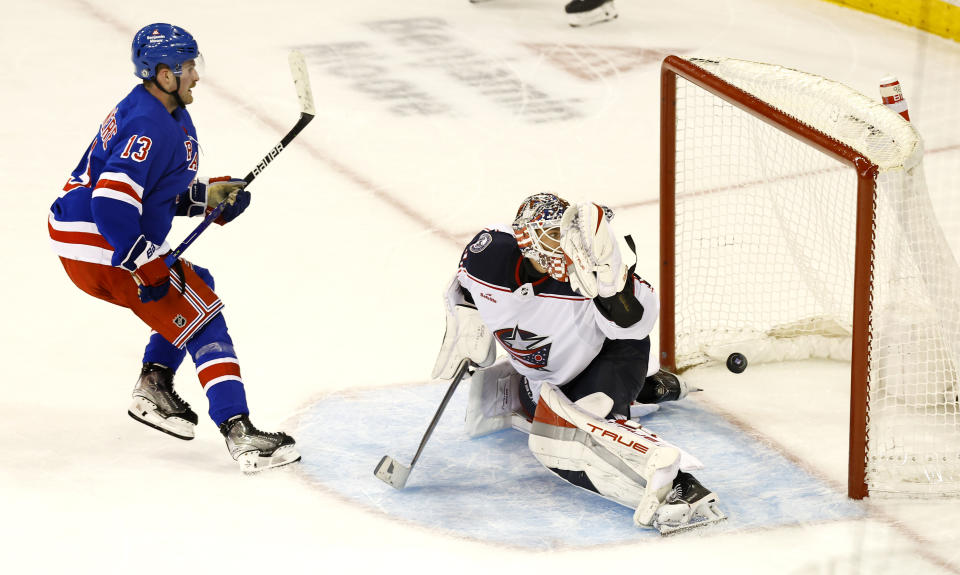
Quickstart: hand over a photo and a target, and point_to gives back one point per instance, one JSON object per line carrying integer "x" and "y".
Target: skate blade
{"x": 175, "y": 426}
{"x": 252, "y": 462}
{"x": 697, "y": 521}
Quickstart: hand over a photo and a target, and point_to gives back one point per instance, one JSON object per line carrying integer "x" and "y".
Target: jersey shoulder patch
{"x": 481, "y": 241}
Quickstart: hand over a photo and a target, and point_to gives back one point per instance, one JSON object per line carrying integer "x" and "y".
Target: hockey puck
{"x": 736, "y": 362}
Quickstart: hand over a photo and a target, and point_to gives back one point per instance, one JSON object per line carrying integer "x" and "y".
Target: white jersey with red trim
{"x": 550, "y": 332}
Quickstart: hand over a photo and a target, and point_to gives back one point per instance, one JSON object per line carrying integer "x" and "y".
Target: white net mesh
{"x": 933, "y": 95}
{"x": 764, "y": 260}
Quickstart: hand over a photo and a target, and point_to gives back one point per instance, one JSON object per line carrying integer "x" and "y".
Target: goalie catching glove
{"x": 600, "y": 260}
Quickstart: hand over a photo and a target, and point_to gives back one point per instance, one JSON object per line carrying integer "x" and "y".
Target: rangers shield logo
{"x": 526, "y": 347}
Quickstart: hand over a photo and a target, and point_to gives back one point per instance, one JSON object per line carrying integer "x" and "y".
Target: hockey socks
{"x": 162, "y": 352}
{"x": 219, "y": 371}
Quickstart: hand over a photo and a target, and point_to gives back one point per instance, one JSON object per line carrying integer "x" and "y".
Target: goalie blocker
{"x": 465, "y": 337}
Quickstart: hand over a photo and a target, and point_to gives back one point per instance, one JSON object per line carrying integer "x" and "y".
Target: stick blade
{"x": 301, "y": 80}
{"x": 392, "y": 472}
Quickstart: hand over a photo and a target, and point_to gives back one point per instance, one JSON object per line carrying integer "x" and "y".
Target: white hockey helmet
{"x": 537, "y": 229}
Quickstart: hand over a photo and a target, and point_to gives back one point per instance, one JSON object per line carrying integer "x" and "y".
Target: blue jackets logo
{"x": 482, "y": 242}
{"x": 526, "y": 347}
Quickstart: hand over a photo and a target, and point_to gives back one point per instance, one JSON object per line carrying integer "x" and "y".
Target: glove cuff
{"x": 141, "y": 252}
{"x": 153, "y": 273}
{"x": 195, "y": 201}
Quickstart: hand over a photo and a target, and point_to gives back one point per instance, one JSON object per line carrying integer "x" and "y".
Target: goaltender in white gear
{"x": 557, "y": 292}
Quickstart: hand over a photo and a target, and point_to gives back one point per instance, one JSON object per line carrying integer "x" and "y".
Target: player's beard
{"x": 186, "y": 96}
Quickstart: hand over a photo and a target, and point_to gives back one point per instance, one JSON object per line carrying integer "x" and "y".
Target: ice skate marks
{"x": 492, "y": 489}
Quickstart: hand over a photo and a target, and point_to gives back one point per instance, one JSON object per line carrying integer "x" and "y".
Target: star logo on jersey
{"x": 526, "y": 347}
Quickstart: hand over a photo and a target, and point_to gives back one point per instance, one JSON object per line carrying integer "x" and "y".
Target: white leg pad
{"x": 625, "y": 462}
{"x": 596, "y": 404}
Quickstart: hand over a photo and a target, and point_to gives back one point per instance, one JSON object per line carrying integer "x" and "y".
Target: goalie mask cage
{"x": 795, "y": 223}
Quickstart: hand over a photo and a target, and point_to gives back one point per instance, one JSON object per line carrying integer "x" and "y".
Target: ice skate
{"x": 257, "y": 450}
{"x": 588, "y": 12}
{"x": 664, "y": 386}
{"x": 687, "y": 506}
{"x": 156, "y": 404}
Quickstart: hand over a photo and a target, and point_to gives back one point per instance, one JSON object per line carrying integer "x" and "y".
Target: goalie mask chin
{"x": 537, "y": 229}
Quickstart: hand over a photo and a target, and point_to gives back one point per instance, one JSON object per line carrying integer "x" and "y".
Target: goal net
{"x": 795, "y": 224}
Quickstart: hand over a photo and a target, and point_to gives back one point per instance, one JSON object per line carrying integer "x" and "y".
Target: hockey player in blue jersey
{"x": 110, "y": 224}
{"x": 557, "y": 291}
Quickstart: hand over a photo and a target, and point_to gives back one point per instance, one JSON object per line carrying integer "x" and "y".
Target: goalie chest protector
{"x": 550, "y": 332}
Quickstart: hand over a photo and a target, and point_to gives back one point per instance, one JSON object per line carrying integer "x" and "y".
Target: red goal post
{"x": 707, "y": 164}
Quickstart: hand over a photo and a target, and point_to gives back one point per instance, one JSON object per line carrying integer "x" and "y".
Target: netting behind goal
{"x": 796, "y": 224}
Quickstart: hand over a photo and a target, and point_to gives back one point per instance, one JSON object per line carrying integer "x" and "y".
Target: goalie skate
{"x": 256, "y": 450}
{"x": 664, "y": 386}
{"x": 690, "y": 505}
{"x": 588, "y": 12}
{"x": 156, "y": 404}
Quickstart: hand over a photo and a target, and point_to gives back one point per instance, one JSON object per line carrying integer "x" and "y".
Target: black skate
{"x": 587, "y": 12}
{"x": 663, "y": 386}
{"x": 257, "y": 450}
{"x": 687, "y": 506}
{"x": 156, "y": 404}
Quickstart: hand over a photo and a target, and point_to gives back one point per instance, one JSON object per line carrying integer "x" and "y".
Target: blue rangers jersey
{"x": 550, "y": 332}
{"x": 132, "y": 180}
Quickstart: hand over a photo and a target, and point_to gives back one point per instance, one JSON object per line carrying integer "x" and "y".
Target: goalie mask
{"x": 537, "y": 229}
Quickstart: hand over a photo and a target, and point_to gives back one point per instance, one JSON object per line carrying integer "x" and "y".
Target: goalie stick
{"x": 301, "y": 81}
{"x": 395, "y": 473}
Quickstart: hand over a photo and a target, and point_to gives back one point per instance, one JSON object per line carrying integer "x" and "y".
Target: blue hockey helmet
{"x": 162, "y": 44}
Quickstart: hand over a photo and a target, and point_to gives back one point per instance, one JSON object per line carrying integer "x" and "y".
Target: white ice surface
{"x": 332, "y": 280}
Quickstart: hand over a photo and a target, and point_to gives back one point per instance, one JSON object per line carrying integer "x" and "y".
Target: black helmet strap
{"x": 175, "y": 93}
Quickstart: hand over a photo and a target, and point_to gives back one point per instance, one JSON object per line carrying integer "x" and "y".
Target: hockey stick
{"x": 301, "y": 81}
{"x": 395, "y": 473}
